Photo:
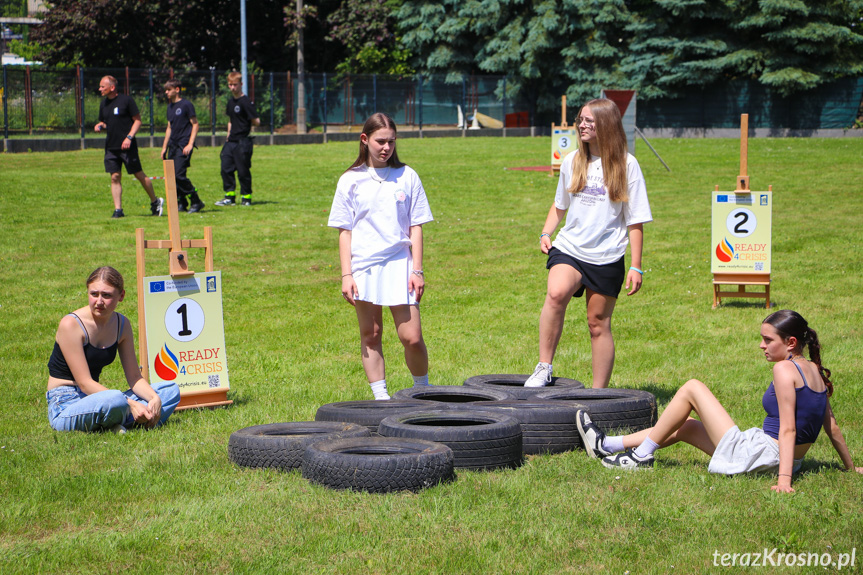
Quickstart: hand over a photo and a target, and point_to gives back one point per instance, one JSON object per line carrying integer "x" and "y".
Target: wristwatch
{"x": 129, "y": 137}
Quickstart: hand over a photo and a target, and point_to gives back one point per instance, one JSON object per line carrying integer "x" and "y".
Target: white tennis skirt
{"x": 750, "y": 451}
{"x": 387, "y": 283}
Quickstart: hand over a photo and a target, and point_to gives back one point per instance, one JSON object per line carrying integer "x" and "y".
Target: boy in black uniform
{"x": 237, "y": 152}
{"x": 179, "y": 144}
{"x": 119, "y": 116}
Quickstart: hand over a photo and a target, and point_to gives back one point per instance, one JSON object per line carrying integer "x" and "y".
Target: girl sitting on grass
{"x": 796, "y": 405}
{"x": 379, "y": 209}
{"x": 88, "y": 340}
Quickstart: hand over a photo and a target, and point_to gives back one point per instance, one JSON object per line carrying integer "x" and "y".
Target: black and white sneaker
{"x": 156, "y": 206}
{"x": 228, "y": 201}
{"x": 591, "y": 436}
{"x": 627, "y": 460}
{"x": 246, "y": 201}
{"x": 118, "y": 214}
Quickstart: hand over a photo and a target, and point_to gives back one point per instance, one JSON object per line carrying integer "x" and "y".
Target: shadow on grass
{"x": 663, "y": 395}
{"x": 748, "y": 304}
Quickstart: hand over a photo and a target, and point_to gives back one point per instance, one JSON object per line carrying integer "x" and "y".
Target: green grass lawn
{"x": 171, "y": 501}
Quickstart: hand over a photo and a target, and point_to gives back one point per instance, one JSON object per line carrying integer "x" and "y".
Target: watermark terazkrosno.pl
{"x": 775, "y": 558}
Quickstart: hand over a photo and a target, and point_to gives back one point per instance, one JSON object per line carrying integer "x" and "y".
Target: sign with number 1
{"x": 186, "y": 332}
{"x": 741, "y": 232}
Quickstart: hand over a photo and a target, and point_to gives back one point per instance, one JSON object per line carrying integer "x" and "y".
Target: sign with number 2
{"x": 741, "y": 234}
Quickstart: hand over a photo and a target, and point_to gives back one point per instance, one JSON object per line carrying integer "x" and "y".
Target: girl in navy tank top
{"x": 796, "y": 403}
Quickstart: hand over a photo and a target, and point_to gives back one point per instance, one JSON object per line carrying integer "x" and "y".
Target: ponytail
{"x": 789, "y": 323}
{"x": 810, "y": 340}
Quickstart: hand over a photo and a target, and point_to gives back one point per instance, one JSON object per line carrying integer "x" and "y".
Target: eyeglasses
{"x": 588, "y": 121}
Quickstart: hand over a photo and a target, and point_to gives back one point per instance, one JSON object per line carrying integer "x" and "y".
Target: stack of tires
{"x": 423, "y": 434}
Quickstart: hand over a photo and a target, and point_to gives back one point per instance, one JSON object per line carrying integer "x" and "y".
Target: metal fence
{"x": 39, "y": 100}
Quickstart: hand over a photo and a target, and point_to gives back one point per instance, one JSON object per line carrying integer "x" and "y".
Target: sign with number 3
{"x": 185, "y": 331}
{"x": 741, "y": 237}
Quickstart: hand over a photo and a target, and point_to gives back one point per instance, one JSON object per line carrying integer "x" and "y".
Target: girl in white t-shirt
{"x": 601, "y": 193}
{"x": 379, "y": 208}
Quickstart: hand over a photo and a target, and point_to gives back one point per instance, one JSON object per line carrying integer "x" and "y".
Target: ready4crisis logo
{"x": 726, "y": 251}
{"x": 170, "y": 364}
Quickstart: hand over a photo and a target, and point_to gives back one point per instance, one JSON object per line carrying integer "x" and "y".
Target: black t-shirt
{"x": 240, "y": 113}
{"x": 118, "y": 117}
{"x": 179, "y": 115}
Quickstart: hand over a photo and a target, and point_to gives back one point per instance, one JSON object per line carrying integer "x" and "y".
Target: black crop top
{"x": 97, "y": 358}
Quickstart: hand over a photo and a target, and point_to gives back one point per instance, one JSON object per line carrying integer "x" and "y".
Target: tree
{"x": 366, "y": 30}
{"x": 159, "y": 33}
{"x": 788, "y": 45}
{"x": 546, "y": 47}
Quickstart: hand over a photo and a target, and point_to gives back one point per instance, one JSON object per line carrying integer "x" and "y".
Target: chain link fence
{"x": 38, "y": 101}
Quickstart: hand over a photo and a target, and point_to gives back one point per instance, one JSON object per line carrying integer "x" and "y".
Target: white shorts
{"x": 387, "y": 283}
{"x": 750, "y": 451}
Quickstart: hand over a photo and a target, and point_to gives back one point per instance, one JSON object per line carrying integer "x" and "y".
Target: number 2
{"x": 738, "y": 229}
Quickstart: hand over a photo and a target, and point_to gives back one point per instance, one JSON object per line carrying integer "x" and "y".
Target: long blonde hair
{"x": 611, "y": 147}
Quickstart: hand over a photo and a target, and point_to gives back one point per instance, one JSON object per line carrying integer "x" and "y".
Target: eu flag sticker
{"x": 721, "y": 199}
{"x": 157, "y": 287}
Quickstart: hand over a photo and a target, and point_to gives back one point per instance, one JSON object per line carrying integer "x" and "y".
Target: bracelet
{"x": 544, "y": 234}
{"x": 418, "y": 273}
{"x": 129, "y": 138}
{"x": 346, "y": 275}
{"x": 633, "y": 268}
{"x": 785, "y": 474}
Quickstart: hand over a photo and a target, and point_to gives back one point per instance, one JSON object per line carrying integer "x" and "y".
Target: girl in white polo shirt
{"x": 379, "y": 208}
{"x": 602, "y": 195}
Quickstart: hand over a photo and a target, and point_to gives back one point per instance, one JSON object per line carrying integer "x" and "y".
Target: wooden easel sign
{"x": 563, "y": 139}
{"x": 741, "y": 234}
{"x": 186, "y": 332}
{"x": 741, "y": 237}
{"x": 181, "y": 331}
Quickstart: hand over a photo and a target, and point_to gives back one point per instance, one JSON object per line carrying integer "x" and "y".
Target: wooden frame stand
{"x": 555, "y": 168}
{"x": 741, "y": 280}
{"x": 178, "y": 266}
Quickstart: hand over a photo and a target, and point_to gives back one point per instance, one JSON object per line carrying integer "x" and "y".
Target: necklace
{"x": 373, "y": 174}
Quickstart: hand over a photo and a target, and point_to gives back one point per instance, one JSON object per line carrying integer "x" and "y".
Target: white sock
{"x": 421, "y": 380}
{"x": 647, "y": 447}
{"x": 613, "y": 444}
{"x": 379, "y": 388}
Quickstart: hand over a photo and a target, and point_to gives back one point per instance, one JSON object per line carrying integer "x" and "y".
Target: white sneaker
{"x": 541, "y": 376}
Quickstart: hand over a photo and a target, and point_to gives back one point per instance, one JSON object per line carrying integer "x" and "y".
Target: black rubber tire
{"x": 281, "y": 445}
{"x": 547, "y": 426}
{"x": 378, "y": 464}
{"x": 478, "y": 439}
{"x": 514, "y": 384}
{"x": 367, "y": 412}
{"x": 452, "y": 394}
{"x": 612, "y": 409}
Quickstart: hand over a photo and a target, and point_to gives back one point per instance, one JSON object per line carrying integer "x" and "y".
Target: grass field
{"x": 171, "y": 501}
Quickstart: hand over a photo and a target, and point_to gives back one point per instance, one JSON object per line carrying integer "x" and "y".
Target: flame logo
{"x": 724, "y": 251}
{"x": 556, "y": 155}
{"x": 166, "y": 364}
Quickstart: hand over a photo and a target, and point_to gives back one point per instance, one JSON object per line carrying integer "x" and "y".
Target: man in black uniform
{"x": 179, "y": 144}
{"x": 120, "y": 118}
{"x": 237, "y": 152}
